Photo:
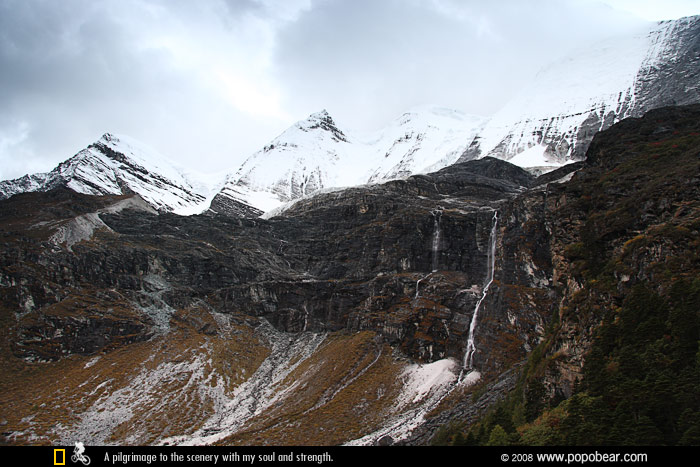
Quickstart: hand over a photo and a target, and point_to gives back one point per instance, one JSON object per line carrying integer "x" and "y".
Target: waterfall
{"x": 491, "y": 262}
{"x": 418, "y": 283}
{"x": 435, "y": 246}
{"x": 436, "y": 237}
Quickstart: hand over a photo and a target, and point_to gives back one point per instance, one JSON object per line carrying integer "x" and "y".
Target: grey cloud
{"x": 75, "y": 69}
{"x": 371, "y": 58}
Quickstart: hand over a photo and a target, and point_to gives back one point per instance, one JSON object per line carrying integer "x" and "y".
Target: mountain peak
{"x": 108, "y": 137}
{"x": 557, "y": 112}
{"x": 117, "y": 140}
{"x": 322, "y": 120}
{"x": 322, "y": 115}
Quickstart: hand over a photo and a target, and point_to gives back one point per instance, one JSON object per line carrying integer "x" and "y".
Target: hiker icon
{"x": 78, "y": 454}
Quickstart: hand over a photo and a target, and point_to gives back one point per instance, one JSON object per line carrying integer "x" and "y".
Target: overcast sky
{"x": 208, "y": 82}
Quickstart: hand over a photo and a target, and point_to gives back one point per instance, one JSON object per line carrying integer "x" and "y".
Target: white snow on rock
{"x": 314, "y": 154}
{"x": 576, "y": 96}
{"x": 536, "y": 156}
{"x": 424, "y": 387}
{"x": 118, "y": 164}
{"x": 422, "y": 379}
{"x": 261, "y": 391}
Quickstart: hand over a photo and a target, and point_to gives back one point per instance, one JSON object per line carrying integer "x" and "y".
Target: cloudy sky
{"x": 208, "y": 82}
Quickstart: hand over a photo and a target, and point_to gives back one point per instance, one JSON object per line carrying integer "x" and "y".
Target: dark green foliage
{"x": 443, "y": 436}
{"x": 534, "y": 400}
{"x": 450, "y": 434}
{"x": 502, "y": 418}
{"x": 643, "y": 373}
{"x": 498, "y": 437}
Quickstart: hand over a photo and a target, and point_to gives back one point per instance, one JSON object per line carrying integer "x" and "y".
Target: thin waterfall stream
{"x": 491, "y": 263}
{"x": 437, "y": 214}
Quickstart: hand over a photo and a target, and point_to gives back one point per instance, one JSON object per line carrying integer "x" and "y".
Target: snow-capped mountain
{"x": 314, "y": 154}
{"x": 553, "y": 119}
{"x": 305, "y": 158}
{"x": 115, "y": 165}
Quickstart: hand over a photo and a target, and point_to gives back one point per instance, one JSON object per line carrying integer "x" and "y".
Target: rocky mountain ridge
{"x": 549, "y": 123}
{"x": 115, "y": 165}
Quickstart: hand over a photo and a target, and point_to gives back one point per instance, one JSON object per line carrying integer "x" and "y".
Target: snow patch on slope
{"x": 83, "y": 227}
{"x": 424, "y": 386}
{"x": 421, "y": 380}
{"x": 261, "y": 391}
{"x": 533, "y": 157}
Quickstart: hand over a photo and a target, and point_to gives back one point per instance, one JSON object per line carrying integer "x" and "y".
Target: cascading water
{"x": 436, "y": 238}
{"x": 491, "y": 262}
{"x": 437, "y": 214}
{"x": 418, "y": 284}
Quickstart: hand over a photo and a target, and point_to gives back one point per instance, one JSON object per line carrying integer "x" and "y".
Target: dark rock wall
{"x": 351, "y": 259}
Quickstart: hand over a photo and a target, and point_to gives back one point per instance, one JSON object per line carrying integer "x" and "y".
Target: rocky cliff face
{"x": 629, "y": 219}
{"x": 336, "y": 261}
{"x": 347, "y": 317}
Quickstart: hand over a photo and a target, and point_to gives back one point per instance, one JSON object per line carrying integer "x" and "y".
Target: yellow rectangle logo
{"x": 59, "y": 457}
